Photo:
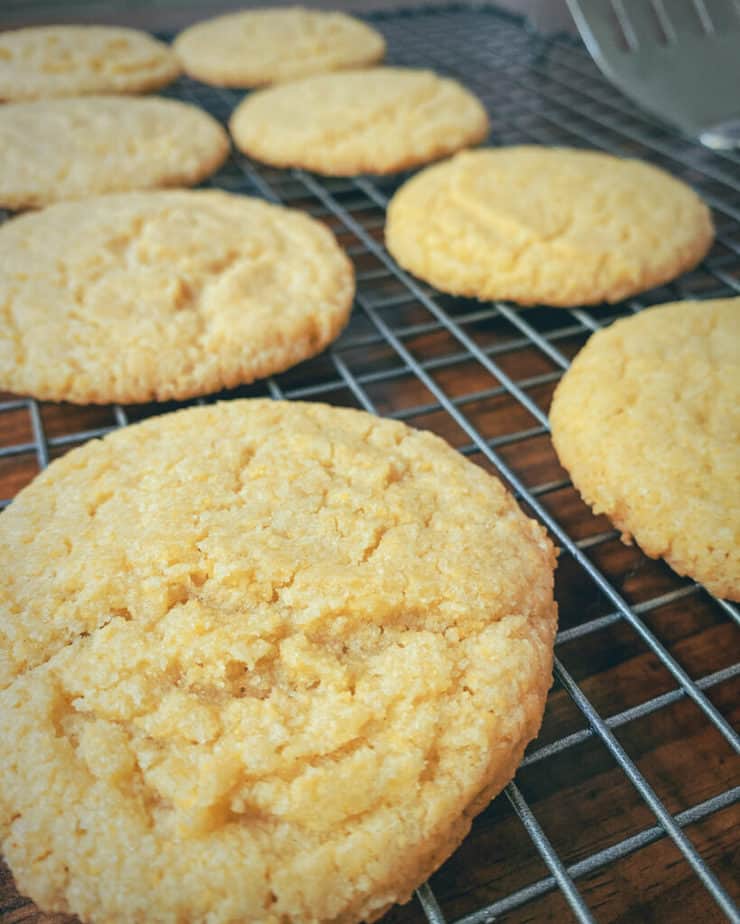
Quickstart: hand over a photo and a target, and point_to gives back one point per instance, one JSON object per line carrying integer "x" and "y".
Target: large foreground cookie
{"x": 159, "y": 295}
{"x": 551, "y": 225}
{"x": 260, "y": 662}
{"x": 255, "y": 47}
{"x": 370, "y": 121}
{"x": 70, "y": 148}
{"x": 73, "y": 60}
{"x": 647, "y": 422}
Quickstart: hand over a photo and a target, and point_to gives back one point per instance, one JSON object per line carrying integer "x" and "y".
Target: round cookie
{"x": 647, "y": 423}
{"x": 557, "y": 226}
{"x": 262, "y": 661}
{"x": 82, "y": 146}
{"x": 256, "y": 47}
{"x": 367, "y": 121}
{"x": 166, "y": 294}
{"x": 43, "y": 61}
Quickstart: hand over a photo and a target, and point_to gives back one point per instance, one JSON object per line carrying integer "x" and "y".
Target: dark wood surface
{"x": 582, "y": 799}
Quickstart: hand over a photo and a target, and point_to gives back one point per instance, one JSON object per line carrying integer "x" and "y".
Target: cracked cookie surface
{"x": 52, "y": 150}
{"x": 556, "y": 226}
{"x": 260, "y": 661}
{"x": 162, "y": 295}
{"x": 406, "y": 117}
{"x": 647, "y": 423}
{"x": 44, "y": 61}
{"x": 256, "y": 47}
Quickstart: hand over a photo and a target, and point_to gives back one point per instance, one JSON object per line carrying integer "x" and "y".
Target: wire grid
{"x": 482, "y": 375}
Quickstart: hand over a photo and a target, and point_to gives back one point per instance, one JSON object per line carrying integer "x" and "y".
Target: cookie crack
{"x": 391, "y": 112}
{"x": 114, "y": 615}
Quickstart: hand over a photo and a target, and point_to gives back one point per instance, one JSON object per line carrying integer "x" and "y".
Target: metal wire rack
{"x": 626, "y": 807}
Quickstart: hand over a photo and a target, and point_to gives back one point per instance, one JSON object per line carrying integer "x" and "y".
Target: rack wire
{"x": 626, "y": 807}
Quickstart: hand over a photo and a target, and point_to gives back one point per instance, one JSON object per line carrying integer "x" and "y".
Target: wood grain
{"x": 580, "y": 797}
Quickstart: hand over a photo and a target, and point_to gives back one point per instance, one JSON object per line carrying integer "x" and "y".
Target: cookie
{"x": 71, "y": 148}
{"x": 43, "y": 61}
{"x": 166, "y": 294}
{"x": 647, "y": 423}
{"x": 255, "y": 47}
{"x": 262, "y": 661}
{"x": 366, "y": 121}
{"x": 555, "y": 226}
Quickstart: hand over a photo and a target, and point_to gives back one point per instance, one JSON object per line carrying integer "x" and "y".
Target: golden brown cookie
{"x": 71, "y": 148}
{"x": 647, "y": 423}
{"x": 255, "y": 47}
{"x": 160, "y": 295}
{"x": 43, "y": 61}
{"x": 367, "y": 121}
{"x": 556, "y": 226}
{"x": 262, "y": 662}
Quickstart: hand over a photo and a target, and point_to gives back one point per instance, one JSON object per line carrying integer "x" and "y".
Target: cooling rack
{"x": 626, "y": 807}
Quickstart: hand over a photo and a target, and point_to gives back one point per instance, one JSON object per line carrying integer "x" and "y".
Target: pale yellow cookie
{"x": 647, "y": 423}
{"x": 70, "y": 148}
{"x": 556, "y": 226}
{"x": 43, "y": 61}
{"x": 369, "y": 121}
{"x": 160, "y": 295}
{"x": 261, "y": 662}
{"x": 255, "y": 47}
